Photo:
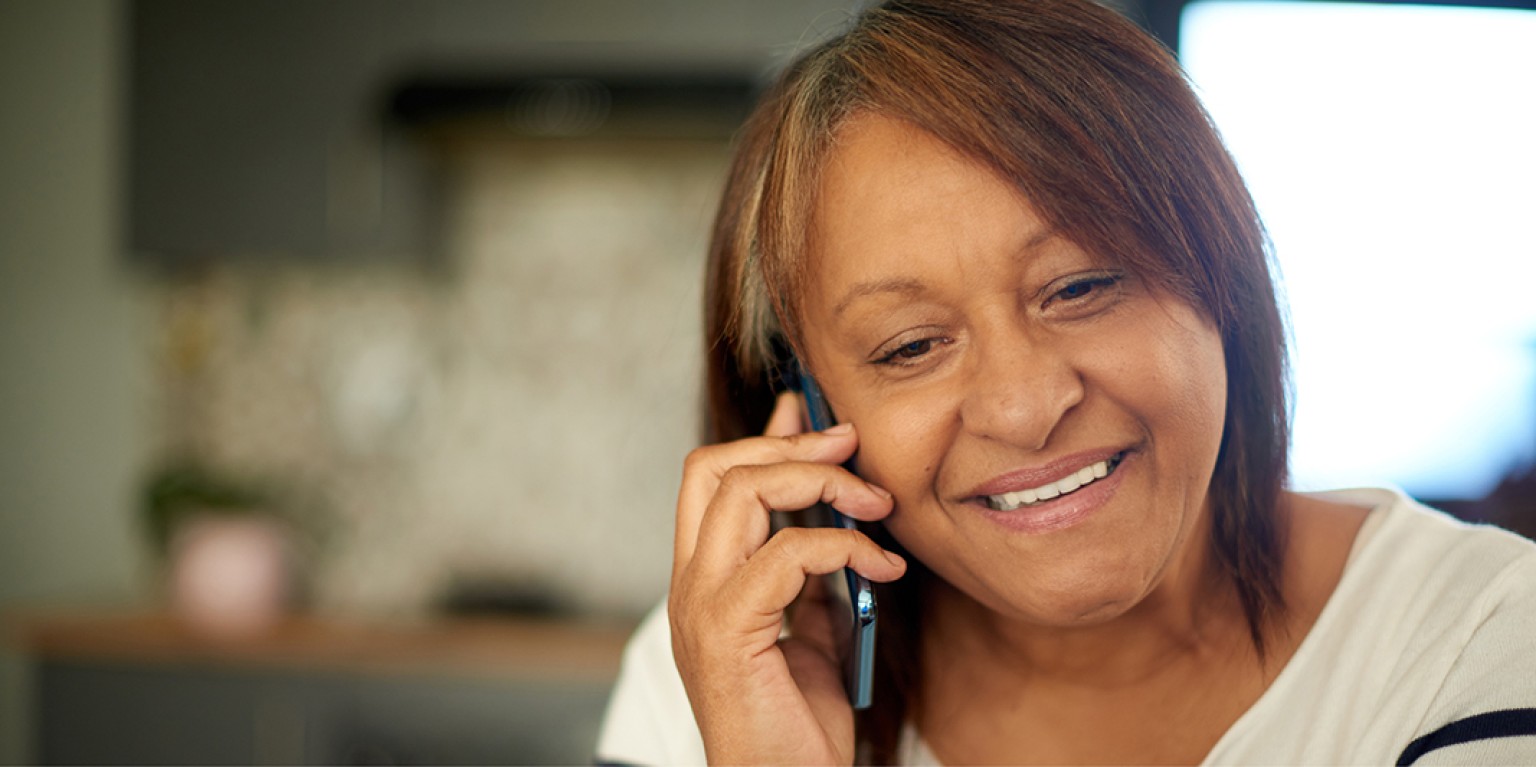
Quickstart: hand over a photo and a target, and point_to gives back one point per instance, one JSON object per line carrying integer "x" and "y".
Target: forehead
{"x": 885, "y": 163}
{"x": 896, "y": 199}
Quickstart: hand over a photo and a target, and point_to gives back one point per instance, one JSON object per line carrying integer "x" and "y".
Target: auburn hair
{"x": 1093, "y": 122}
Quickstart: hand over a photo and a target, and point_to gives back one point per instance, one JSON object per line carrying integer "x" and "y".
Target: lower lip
{"x": 1062, "y": 511}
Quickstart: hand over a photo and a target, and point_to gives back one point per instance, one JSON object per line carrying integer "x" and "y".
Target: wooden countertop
{"x": 480, "y": 648}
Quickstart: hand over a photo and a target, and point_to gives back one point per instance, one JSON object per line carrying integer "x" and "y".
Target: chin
{"x": 1060, "y": 600}
{"x": 1079, "y": 609}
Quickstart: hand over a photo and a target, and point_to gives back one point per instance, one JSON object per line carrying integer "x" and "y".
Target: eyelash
{"x": 1096, "y": 283}
{"x": 907, "y": 354}
{"x": 896, "y": 358}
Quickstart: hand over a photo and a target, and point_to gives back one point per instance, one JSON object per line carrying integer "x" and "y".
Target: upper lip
{"x": 1031, "y": 477}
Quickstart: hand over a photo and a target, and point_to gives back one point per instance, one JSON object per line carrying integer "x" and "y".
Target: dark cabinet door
{"x": 120, "y": 713}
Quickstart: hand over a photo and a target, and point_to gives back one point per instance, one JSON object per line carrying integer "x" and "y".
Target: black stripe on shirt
{"x": 1507, "y": 723}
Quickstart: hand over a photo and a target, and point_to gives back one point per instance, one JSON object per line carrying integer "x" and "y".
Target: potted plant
{"x": 229, "y": 545}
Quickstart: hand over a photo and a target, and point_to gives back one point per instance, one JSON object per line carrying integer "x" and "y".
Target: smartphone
{"x": 853, "y": 599}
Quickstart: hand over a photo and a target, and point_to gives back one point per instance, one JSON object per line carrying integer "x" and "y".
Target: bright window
{"x": 1392, "y": 153}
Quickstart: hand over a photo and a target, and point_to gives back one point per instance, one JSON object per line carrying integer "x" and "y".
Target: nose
{"x": 1019, "y": 390}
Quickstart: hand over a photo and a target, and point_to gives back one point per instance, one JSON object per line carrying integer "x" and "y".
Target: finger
{"x": 810, "y": 615}
{"x": 786, "y": 418}
{"x": 736, "y": 523}
{"x": 777, "y": 573}
{"x": 705, "y": 466}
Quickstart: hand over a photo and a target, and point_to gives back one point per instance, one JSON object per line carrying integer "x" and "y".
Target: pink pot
{"x": 230, "y": 574}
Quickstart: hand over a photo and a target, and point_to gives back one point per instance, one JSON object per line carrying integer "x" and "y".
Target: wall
{"x": 519, "y": 414}
{"x": 72, "y": 378}
{"x": 73, "y": 427}
{"x": 512, "y": 420}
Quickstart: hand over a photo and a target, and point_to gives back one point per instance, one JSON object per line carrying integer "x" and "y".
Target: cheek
{"x": 1169, "y": 371}
{"x": 1194, "y": 366}
{"x": 902, "y": 442}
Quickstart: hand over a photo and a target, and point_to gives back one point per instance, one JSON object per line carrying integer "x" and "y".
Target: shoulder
{"x": 1428, "y": 548}
{"x": 1435, "y": 582}
{"x": 1429, "y": 624}
{"x": 1413, "y": 579}
{"x": 1485, "y": 708}
{"x": 1462, "y": 571}
{"x": 649, "y": 720}
{"x": 1451, "y": 610}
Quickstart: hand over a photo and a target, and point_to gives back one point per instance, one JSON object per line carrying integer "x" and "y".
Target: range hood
{"x": 575, "y": 104}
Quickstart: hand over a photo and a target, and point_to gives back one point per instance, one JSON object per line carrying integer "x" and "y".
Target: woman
{"x": 1010, "y": 247}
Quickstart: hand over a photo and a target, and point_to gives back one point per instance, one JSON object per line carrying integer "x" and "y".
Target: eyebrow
{"x": 909, "y": 287}
{"x": 906, "y": 287}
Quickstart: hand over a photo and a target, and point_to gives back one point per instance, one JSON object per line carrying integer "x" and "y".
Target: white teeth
{"x": 1067, "y": 484}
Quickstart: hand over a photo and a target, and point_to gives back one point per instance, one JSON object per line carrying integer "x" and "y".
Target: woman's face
{"x": 991, "y": 367}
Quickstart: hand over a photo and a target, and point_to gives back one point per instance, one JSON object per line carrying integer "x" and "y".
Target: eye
{"x": 1078, "y": 289}
{"x": 907, "y": 353}
{"x": 913, "y": 349}
{"x": 1084, "y": 287}
{"x": 1081, "y": 291}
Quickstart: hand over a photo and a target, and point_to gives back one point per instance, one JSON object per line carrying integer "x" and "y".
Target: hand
{"x": 758, "y": 698}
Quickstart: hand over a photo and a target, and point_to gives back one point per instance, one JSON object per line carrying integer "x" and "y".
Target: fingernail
{"x": 880, "y": 491}
{"x": 895, "y": 559}
{"x": 842, "y": 428}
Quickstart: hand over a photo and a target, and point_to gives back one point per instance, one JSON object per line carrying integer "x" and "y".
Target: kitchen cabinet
{"x": 144, "y": 689}
{"x": 252, "y": 136}
{"x": 262, "y": 130}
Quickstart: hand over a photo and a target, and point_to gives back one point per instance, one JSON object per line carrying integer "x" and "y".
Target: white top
{"x": 1432, "y": 623}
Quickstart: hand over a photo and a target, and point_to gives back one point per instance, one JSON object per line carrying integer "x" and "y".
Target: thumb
{"x": 786, "y": 418}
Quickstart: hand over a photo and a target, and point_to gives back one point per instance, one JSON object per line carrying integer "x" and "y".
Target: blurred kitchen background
{"x": 349, "y": 351}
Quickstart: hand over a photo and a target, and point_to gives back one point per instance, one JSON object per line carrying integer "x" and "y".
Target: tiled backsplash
{"x": 517, "y": 414}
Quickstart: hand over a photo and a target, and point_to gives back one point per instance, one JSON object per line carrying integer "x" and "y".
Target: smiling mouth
{"x": 1051, "y": 490}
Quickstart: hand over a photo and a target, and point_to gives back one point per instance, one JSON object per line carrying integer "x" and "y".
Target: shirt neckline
{"x": 915, "y": 749}
{"x": 1381, "y": 501}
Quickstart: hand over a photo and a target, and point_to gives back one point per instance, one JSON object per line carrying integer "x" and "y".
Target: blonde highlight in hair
{"x": 780, "y": 200}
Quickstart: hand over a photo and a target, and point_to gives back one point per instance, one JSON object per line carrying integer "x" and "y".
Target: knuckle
{"x": 780, "y": 546}
{"x": 738, "y": 479}
{"x": 675, "y": 613}
{"x": 685, "y": 609}
{"x": 679, "y": 597}
{"x": 698, "y": 459}
{"x": 847, "y": 538}
{"x": 792, "y": 543}
{"x": 849, "y": 543}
